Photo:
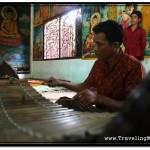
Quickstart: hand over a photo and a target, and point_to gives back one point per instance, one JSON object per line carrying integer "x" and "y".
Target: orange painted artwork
{"x": 9, "y": 34}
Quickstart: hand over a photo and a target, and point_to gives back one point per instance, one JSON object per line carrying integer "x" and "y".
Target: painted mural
{"x": 15, "y": 36}
{"x": 123, "y": 14}
{"x": 145, "y": 10}
{"x": 57, "y": 9}
{"x": 41, "y": 13}
{"x": 91, "y": 16}
{"x": 112, "y": 12}
{"x": 38, "y": 43}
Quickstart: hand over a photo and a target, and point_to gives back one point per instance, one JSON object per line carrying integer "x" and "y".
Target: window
{"x": 62, "y": 36}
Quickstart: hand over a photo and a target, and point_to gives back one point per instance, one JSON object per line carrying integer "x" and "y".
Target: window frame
{"x": 78, "y": 33}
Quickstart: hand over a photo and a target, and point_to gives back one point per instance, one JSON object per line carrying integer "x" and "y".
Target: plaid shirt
{"x": 118, "y": 80}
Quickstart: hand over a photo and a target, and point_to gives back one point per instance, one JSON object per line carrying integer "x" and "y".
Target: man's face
{"x": 104, "y": 49}
{"x": 135, "y": 19}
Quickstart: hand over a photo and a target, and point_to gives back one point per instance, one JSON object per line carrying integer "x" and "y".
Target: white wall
{"x": 75, "y": 70}
{"x": 146, "y": 64}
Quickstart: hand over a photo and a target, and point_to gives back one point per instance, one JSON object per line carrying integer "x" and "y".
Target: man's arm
{"x": 88, "y": 98}
{"x": 69, "y": 85}
{"x": 109, "y": 103}
{"x": 74, "y": 86}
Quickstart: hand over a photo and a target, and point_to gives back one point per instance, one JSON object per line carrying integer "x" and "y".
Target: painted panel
{"x": 59, "y": 8}
{"x": 41, "y": 13}
{"x": 113, "y": 12}
{"x": 38, "y": 43}
{"x": 91, "y": 16}
{"x": 15, "y": 36}
{"x": 145, "y": 10}
{"x": 123, "y": 14}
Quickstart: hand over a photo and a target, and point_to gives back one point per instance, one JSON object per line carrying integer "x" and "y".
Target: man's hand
{"x": 53, "y": 82}
{"x": 86, "y": 97}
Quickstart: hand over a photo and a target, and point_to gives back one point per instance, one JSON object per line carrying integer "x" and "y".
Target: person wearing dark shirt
{"x": 135, "y": 37}
{"x": 113, "y": 76}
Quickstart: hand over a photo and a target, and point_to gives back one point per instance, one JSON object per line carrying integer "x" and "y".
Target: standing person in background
{"x": 135, "y": 37}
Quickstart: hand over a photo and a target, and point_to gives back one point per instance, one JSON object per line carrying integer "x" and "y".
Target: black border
{"x": 22, "y": 144}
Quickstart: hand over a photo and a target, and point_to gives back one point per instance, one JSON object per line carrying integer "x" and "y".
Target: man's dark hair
{"x": 112, "y": 30}
{"x": 138, "y": 13}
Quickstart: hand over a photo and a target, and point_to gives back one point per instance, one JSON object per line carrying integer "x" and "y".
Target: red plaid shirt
{"x": 118, "y": 80}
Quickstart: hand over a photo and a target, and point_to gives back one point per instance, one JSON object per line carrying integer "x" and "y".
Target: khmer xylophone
{"x": 26, "y": 116}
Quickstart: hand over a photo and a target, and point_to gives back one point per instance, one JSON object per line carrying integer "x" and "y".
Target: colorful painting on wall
{"x": 145, "y": 10}
{"x": 15, "y": 36}
{"x": 102, "y": 13}
{"x": 41, "y": 13}
{"x": 123, "y": 14}
{"x": 112, "y": 12}
{"x": 59, "y": 8}
{"x": 38, "y": 43}
{"x": 92, "y": 15}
